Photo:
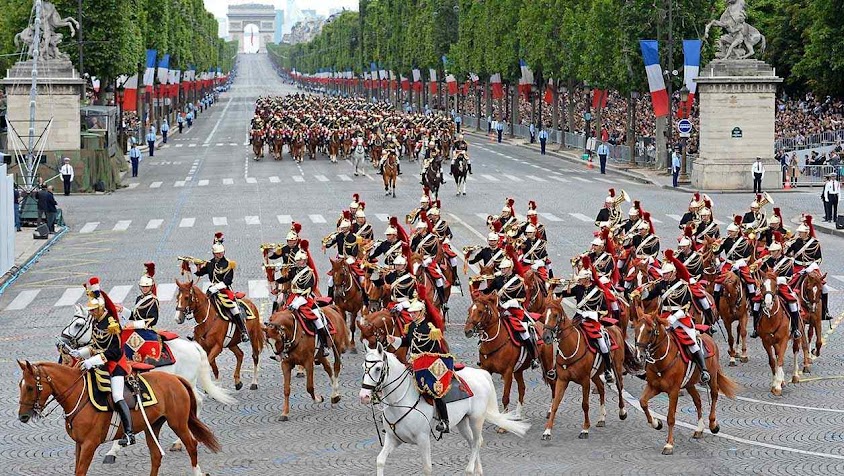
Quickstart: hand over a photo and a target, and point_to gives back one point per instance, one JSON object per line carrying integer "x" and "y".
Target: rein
{"x": 650, "y": 345}
{"x": 38, "y": 409}
{"x": 379, "y": 386}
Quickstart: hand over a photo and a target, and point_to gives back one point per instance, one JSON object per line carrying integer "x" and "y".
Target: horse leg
{"x": 238, "y": 356}
{"x": 647, "y": 394}
{"x": 425, "y": 450}
{"x": 154, "y": 454}
{"x": 507, "y": 376}
{"x": 390, "y": 443}
{"x": 111, "y": 456}
{"x": 182, "y": 430}
{"x": 731, "y": 342}
{"x": 602, "y": 400}
{"x": 559, "y": 391}
{"x": 618, "y": 362}
{"x": 212, "y": 360}
{"x": 285, "y": 372}
{"x": 696, "y": 399}
{"x": 350, "y": 317}
{"x": 807, "y": 356}
{"x": 256, "y": 355}
{"x": 333, "y": 374}
{"x": 520, "y": 386}
{"x": 84, "y": 455}
{"x": 816, "y": 327}
{"x": 668, "y": 449}
{"x": 309, "y": 380}
{"x": 466, "y": 431}
{"x": 584, "y": 404}
{"x": 772, "y": 363}
{"x": 742, "y": 330}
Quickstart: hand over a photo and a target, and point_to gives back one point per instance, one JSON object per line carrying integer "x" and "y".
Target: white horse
{"x": 191, "y": 364}
{"x": 408, "y": 417}
{"x": 358, "y": 157}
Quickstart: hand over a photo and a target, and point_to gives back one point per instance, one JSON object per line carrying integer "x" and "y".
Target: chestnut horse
{"x": 574, "y": 362}
{"x": 297, "y": 147}
{"x": 258, "y": 143}
{"x": 289, "y": 340}
{"x": 210, "y": 331}
{"x": 313, "y": 143}
{"x": 376, "y": 326}
{"x": 391, "y": 173}
{"x": 423, "y": 276}
{"x": 809, "y": 288}
{"x": 334, "y": 146}
{"x": 497, "y": 354}
{"x": 347, "y": 145}
{"x": 89, "y": 428}
{"x": 348, "y": 294}
{"x": 733, "y": 308}
{"x": 659, "y": 351}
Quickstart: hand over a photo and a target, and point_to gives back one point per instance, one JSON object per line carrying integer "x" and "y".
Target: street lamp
{"x": 684, "y": 98}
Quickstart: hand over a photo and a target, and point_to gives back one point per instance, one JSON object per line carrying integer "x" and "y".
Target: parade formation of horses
{"x": 214, "y": 333}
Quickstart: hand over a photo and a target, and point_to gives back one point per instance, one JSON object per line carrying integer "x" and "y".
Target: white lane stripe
{"x": 219, "y": 120}
{"x": 122, "y": 225}
{"x": 119, "y": 293}
{"x": 166, "y": 291}
{"x": 202, "y": 183}
{"x": 550, "y": 217}
{"x": 274, "y": 179}
{"x": 180, "y": 183}
{"x": 674, "y": 217}
{"x": 133, "y": 185}
{"x": 252, "y": 220}
{"x": 218, "y": 144}
{"x": 251, "y": 180}
{"x": 228, "y": 181}
{"x": 582, "y": 179}
{"x": 321, "y": 178}
{"x": 491, "y": 178}
{"x": 382, "y": 216}
{"x": 600, "y": 179}
{"x": 468, "y": 227}
{"x": 482, "y": 216}
{"x": 344, "y": 177}
{"x": 284, "y": 219}
{"x": 839, "y": 277}
{"x": 155, "y": 185}
{"x": 89, "y": 227}
{"x": 194, "y": 145}
{"x": 581, "y": 217}
{"x": 155, "y": 223}
{"x": 258, "y": 288}
{"x": 23, "y": 299}
{"x": 317, "y": 218}
{"x": 220, "y": 221}
{"x": 70, "y": 296}
{"x": 535, "y": 178}
{"x": 298, "y": 178}
{"x": 512, "y": 178}
{"x": 655, "y": 220}
{"x": 559, "y": 179}
{"x": 187, "y": 222}
{"x": 179, "y": 145}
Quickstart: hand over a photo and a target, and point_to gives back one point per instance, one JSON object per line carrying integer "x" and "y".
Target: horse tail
{"x": 507, "y": 421}
{"x": 207, "y": 383}
{"x": 726, "y": 385}
{"x": 200, "y": 431}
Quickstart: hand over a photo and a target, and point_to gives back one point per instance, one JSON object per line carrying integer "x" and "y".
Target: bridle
{"x": 769, "y": 284}
{"x": 649, "y": 345}
{"x": 37, "y": 409}
{"x": 191, "y": 305}
{"x": 559, "y": 332}
{"x": 287, "y": 345}
{"x": 480, "y": 325}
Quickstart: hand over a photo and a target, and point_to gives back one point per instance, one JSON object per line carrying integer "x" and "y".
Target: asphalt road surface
{"x": 205, "y": 180}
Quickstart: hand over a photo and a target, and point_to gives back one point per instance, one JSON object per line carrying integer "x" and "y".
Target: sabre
{"x": 146, "y": 420}
{"x": 722, "y": 330}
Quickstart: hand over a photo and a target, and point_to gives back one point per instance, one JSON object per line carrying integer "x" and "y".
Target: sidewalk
{"x": 27, "y": 252}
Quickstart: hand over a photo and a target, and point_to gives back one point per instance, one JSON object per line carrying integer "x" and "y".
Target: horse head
{"x": 555, "y": 317}
{"x": 375, "y": 327}
{"x": 482, "y": 314}
{"x": 280, "y": 331}
{"x": 33, "y": 394}
{"x": 375, "y": 371}
{"x": 651, "y": 332}
{"x": 811, "y": 289}
{"x": 769, "y": 291}
{"x": 78, "y": 332}
{"x": 187, "y": 300}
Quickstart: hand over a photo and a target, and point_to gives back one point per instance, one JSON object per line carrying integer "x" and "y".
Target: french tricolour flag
{"x": 691, "y": 67}
{"x": 526, "y": 80}
{"x": 149, "y": 73}
{"x": 659, "y": 96}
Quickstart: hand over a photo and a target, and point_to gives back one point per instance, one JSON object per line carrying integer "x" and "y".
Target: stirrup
{"x": 128, "y": 439}
{"x": 551, "y": 374}
{"x": 608, "y": 377}
{"x": 244, "y": 336}
{"x": 796, "y": 334}
{"x": 442, "y": 426}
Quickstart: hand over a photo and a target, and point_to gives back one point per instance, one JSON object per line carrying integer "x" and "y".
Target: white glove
{"x": 136, "y": 324}
{"x": 427, "y": 261}
{"x": 75, "y": 353}
{"x": 376, "y": 275}
{"x": 782, "y": 280}
{"x": 393, "y": 341}
{"x": 94, "y": 361}
{"x": 590, "y": 314}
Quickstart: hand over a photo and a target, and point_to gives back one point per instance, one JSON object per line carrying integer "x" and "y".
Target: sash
{"x": 513, "y": 280}
{"x": 805, "y": 247}
{"x": 735, "y": 246}
{"x": 535, "y": 247}
{"x": 587, "y": 297}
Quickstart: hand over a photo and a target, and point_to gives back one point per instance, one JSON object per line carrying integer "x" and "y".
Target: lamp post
{"x": 684, "y": 97}
{"x": 121, "y": 130}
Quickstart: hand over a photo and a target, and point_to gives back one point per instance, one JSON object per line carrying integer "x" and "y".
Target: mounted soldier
{"x": 487, "y": 256}
{"x": 301, "y": 299}
{"x": 783, "y": 266}
{"x": 737, "y": 250}
{"x": 424, "y": 206}
{"x": 775, "y": 225}
{"x": 806, "y": 251}
{"x": 690, "y": 258}
{"x": 145, "y": 313}
{"x": 220, "y": 272}
{"x": 360, "y": 227}
{"x": 534, "y": 253}
{"x": 347, "y": 249}
{"x": 425, "y": 243}
{"x": 441, "y": 229}
{"x": 391, "y": 248}
{"x": 460, "y": 145}
{"x": 692, "y": 216}
{"x": 402, "y": 286}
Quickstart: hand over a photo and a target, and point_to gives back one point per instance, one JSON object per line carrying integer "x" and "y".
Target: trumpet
{"x": 512, "y": 227}
{"x": 278, "y": 265}
{"x": 369, "y": 245}
{"x": 411, "y": 217}
{"x": 271, "y": 246}
{"x": 191, "y": 259}
{"x": 575, "y": 260}
{"x": 375, "y": 267}
{"x": 470, "y": 249}
{"x": 752, "y": 233}
{"x": 481, "y": 277}
{"x": 329, "y": 238}
{"x": 565, "y": 283}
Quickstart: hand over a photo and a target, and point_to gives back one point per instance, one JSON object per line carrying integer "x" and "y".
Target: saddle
{"x": 323, "y": 301}
{"x": 592, "y": 330}
{"x": 224, "y": 304}
{"x": 682, "y": 340}
{"x": 310, "y": 327}
{"x": 99, "y": 391}
{"x": 148, "y": 346}
{"x": 458, "y": 392}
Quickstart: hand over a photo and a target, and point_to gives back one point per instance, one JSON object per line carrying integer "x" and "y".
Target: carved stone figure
{"x": 50, "y": 39}
{"x": 738, "y": 38}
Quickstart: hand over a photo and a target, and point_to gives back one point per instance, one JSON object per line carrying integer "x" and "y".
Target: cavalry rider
{"x": 360, "y": 227}
{"x": 690, "y": 258}
{"x": 460, "y": 145}
{"x": 775, "y": 225}
{"x": 783, "y": 267}
{"x": 601, "y": 254}
{"x": 534, "y": 253}
{"x": 106, "y": 349}
{"x": 145, "y": 313}
{"x": 391, "y": 248}
{"x": 425, "y": 243}
{"x": 301, "y": 298}
{"x": 737, "y": 250}
{"x": 755, "y": 218}
{"x": 402, "y": 286}
{"x": 634, "y": 216}
{"x": 287, "y": 252}
{"x": 383, "y": 160}
{"x": 353, "y": 210}
{"x": 707, "y": 228}
{"x": 591, "y": 301}
{"x": 675, "y": 298}
{"x": 806, "y": 251}
{"x": 425, "y": 345}
{"x": 489, "y": 255}
{"x": 424, "y": 206}
{"x": 348, "y": 250}
{"x": 511, "y": 291}
{"x": 533, "y": 219}
{"x": 443, "y": 231}
{"x": 505, "y": 220}
{"x": 433, "y": 156}
{"x": 220, "y": 272}
{"x": 693, "y": 215}
{"x": 604, "y": 213}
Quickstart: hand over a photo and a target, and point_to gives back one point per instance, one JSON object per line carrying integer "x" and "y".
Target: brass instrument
{"x": 575, "y": 260}
{"x": 481, "y": 277}
{"x": 752, "y": 233}
{"x": 471, "y": 249}
{"x": 512, "y": 227}
{"x": 369, "y": 245}
{"x": 411, "y": 217}
{"x": 271, "y": 246}
{"x": 329, "y": 238}
{"x": 557, "y": 282}
{"x": 278, "y": 265}
{"x": 376, "y": 267}
{"x": 615, "y": 211}
{"x": 192, "y": 260}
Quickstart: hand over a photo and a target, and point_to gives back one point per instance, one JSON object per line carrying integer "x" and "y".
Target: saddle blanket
{"x": 223, "y": 304}
{"x": 433, "y": 373}
{"x": 99, "y": 391}
{"x": 681, "y": 339}
{"x": 148, "y": 346}
{"x": 309, "y": 326}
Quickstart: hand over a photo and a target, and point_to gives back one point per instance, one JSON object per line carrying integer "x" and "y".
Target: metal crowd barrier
{"x": 815, "y": 175}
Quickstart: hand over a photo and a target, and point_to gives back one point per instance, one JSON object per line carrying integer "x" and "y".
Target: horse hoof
{"x": 238, "y": 385}
{"x": 668, "y": 450}
{"x": 795, "y": 379}
{"x": 745, "y": 359}
{"x": 464, "y": 194}
{"x": 595, "y": 391}
{"x": 353, "y": 350}
{"x": 697, "y": 435}
{"x": 776, "y": 392}
{"x": 807, "y": 370}
{"x": 622, "y": 415}
{"x": 283, "y": 418}
{"x": 501, "y": 431}
{"x": 545, "y": 437}
{"x": 109, "y": 459}
{"x": 335, "y": 399}
{"x": 584, "y": 435}
{"x": 177, "y": 446}
{"x": 319, "y": 399}
{"x": 733, "y": 363}
{"x": 254, "y": 386}
{"x": 600, "y": 424}
{"x": 547, "y": 414}
{"x": 715, "y": 429}
{"x": 658, "y": 425}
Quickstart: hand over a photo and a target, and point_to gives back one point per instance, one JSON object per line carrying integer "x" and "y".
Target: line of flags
{"x": 656, "y": 82}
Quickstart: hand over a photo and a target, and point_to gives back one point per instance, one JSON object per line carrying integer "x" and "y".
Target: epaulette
{"x": 232, "y": 265}
{"x": 113, "y": 326}
{"x": 434, "y": 333}
{"x": 406, "y": 328}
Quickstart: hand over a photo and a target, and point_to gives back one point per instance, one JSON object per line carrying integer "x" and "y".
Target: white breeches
{"x": 330, "y": 281}
{"x": 674, "y": 319}
{"x": 117, "y": 384}
{"x": 297, "y": 302}
{"x": 792, "y": 306}
{"x": 704, "y": 303}
{"x": 453, "y": 262}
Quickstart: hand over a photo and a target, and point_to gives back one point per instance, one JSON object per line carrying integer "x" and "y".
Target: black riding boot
{"x": 608, "y": 377}
{"x": 381, "y": 169}
{"x": 126, "y": 419}
{"x": 701, "y": 364}
{"x": 825, "y": 307}
{"x": 709, "y": 315}
{"x": 795, "y": 324}
{"x": 331, "y": 292}
{"x": 398, "y": 167}
{"x": 470, "y": 168}
{"x": 241, "y": 324}
{"x": 456, "y": 276}
{"x": 324, "y": 340}
{"x": 534, "y": 364}
{"x": 755, "y": 314}
{"x": 442, "y": 179}
{"x": 716, "y": 296}
{"x": 441, "y": 294}
{"x": 442, "y": 411}
{"x": 365, "y": 300}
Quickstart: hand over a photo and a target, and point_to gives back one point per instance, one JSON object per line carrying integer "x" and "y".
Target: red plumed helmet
{"x": 688, "y": 232}
{"x": 808, "y": 220}
{"x": 612, "y": 192}
{"x": 637, "y": 205}
{"x": 346, "y": 214}
{"x": 778, "y": 237}
{"x": 297, "y": 227}
{"x": 737, "y": 220}
{"x": 586, "y": 261}
{"x": 218, "y": 237}
{"x": 496, "y": 226}
{"x": 682, "y": 271}
{"x": 438, "y": 204}
{"x": 697, "y": 196}
{"x": 669, "y": 254}
{"x": 778, "y": 213}
{"x": 362, "y": 205}
{"x": 356, "y": 197}
{"x": 394, "y": 222}
{"x": 510, "y": 202}
{"x": 605, "y": 234}
{"x": 150, "y": 269}
{"x": 531, "y": 205}
{"x": 758, "y": 197}
{"x": 304, "y": 244}
{"x": 94, "y": 285}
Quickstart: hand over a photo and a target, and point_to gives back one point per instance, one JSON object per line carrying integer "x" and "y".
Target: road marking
{"x": 154, "y": 223}
{"x": 258, "y": 288}
{"x": 23, "y": 299}
{"x": 382, "y": 216}
{"x": 118, "y": 293}
{"x": 581, "y": 217}
{"x": 629, "y": 181}
{"x": 251, "y": 180}
{"x": 70, "y": 296}
{"x": 228, "y": 181}
{"x": 512, "y": 178}
{"x": 219, "y": 144}
{"x": 321, "y": 178}
{"x": 274, "y": 179}
{"x": 839, "y": 277}
{"x": 535, "y": 178}
{"x": 491, "y": 178}
{"x": 344, "y": 178}
{"x": 203, "y": 145}
{"x": 468, "y": 227}
{"x": 790, "y": 405}
{"x": 89, "y": 227}
{"x": 202, "y": 183}
{"x": 179, "y": 145}
{"x": 298, "y": 178}
{"x": 122, "y": 225}
{"x": 655, "y": 220}
{"x": 133, "y": 185}
{"x": 317, "y": 218}
{"x": 582, "y": 179}
{"x": 194, "y": 145}
{"x": 284, "y": 219}
{"x": 233, "y": 143}
{"x": 600, "y": 179}
{"x": 550, "y": 217}
{"x": 180, "y": 183}
{"x": 187, "y": 222}
{"x": 482, "y": 216}
{"x": 559, "y": 179}
{"x": 252, "y": 220}
{"x": 166, "y": 291}
{"x": 219, "y": 120}
{"x": 220, "y": 221}
{"x": 155, "y": 185}
{"x": 674, "y": 217}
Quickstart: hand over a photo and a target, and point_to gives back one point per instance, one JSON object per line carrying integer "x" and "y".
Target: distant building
{"x": 245, "y": 20}
{"x": 309, "y": 14}
{"x": 279, "y": 26}
{"x": 223, "y": 28}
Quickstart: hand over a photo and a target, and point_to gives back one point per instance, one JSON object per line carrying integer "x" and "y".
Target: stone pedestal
{"x": 736, "y": 100}
{"x": 59, "y": 92}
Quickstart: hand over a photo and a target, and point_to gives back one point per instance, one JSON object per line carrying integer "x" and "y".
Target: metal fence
{"x": 813, "y": 175}
{"x": 811, "y": 141}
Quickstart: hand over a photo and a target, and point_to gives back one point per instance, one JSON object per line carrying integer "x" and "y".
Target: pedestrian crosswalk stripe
{"x": 166, "y": 291}
{"x": 203, "y": 145}
{"x": 228, "y": 181}
{"x": 490, "y": 178}
{"x": 321, "y": 178}
{"x": 70, "y": 296}
{"x": 839, "y": 277}
{"x": 180, "y": 183}
{"x": 118, "y": 293}
{"x": 202, "y": 183}
{"x": 122, "y": 225}
{"x": 672, "y": 216}
{"x": 581, "y": 179}
{"x": 284, "y": 219}
{"x": 191, "y": 145}
{"x": 559, "y": 179}
{"x": 601, "y": 179}
{"x": 317, "y": 218}
{"x": 133, "y": 184}
{"x": 580, "y": 217}
{"x": 220, "y": 221}
{"x": 382, "y": 216}
{"x": 512, "y": 178}
{"x": 233, "y": 143}
{"x": 187, "y": 222}
{"x": 23, "y": 299}
{"x": 188, "y": 178}
{"x": 155, "y": 185}
{"x": 218, "y": 144}
{"x": 251, "y": 180}
{"x": 258, "y": 288}
{"x": 274, "y": 179}
{"x": 471, "y": 179}
{"x": 253, "y": 220}
{"x": 344, "y": 177}
{"x": 298, "y": 178}
{"x": 550, "y": 217}
{"x": 655, "y": 220}
{"x": 179, "y": 145}
{"x": 153, "y": 224}
{"x": 89, "y": 227}
{"x": 535, "y": 178}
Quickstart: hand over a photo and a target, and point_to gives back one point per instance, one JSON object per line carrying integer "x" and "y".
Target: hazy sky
{"x": 218, "y": 7}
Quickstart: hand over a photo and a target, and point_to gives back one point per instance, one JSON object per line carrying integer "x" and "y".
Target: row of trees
{"x": 572, "y": 41}
{"x": 116, "y": 34}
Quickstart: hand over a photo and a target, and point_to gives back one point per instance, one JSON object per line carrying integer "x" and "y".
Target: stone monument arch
{"x": 261, "y": 16}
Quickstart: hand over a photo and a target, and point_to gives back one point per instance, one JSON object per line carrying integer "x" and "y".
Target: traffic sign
{"x": 684, "y": 126}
